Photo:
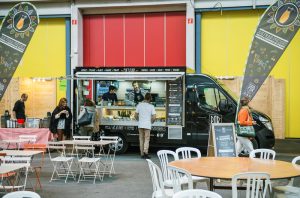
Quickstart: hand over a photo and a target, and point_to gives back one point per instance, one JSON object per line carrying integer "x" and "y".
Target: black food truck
{"x": 185, "y": 104}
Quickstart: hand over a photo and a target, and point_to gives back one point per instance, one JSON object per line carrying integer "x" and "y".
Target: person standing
{"x": 111, "y": 95}
{"x": 137, "y": 94}
{"x": 245, "y": 119}
{"x": 87, "y": 130}
{"x": 19, "y": 110}
{"x": 145, "y": 114}
{"x": 61, "y": 119}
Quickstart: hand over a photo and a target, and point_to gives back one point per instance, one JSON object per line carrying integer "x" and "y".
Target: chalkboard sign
{"x": 223, "y": 140}
{"x": 174, "y": 102}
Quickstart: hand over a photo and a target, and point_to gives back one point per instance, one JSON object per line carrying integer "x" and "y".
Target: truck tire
{"x": 121, "y": 146}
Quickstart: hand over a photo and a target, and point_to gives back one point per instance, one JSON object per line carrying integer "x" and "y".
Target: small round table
{"x": 227, "y": 167}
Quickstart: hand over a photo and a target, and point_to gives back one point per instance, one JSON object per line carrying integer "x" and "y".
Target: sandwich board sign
{"x": 222, "y": 140}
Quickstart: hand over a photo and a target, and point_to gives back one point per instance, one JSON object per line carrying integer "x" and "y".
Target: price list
{"x": 174, "y": 101}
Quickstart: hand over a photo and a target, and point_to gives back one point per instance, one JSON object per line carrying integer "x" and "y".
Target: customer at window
{"x": 245, "y": 119}
{"x": 61, "y": 120}
{"x": 145, "y": 114}
{"x": 111, "y": 95}
{"x": 90, "y": 106}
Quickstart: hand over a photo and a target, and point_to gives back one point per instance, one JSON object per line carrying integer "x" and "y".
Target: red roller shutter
{"x": 150, "y": 40}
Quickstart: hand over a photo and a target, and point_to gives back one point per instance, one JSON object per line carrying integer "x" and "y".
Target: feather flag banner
{"x": 276, "y": 29}
{"x": 16, "y": 32}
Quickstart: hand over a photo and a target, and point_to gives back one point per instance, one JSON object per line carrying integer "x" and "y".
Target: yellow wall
{"x": 46, "y": 53}
{"x": 225, "y": 44}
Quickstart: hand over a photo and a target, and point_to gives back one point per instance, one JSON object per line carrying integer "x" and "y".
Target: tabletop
{"x": 6, "y": 168}
{"x": 21, "y": 152}
{"x": 227, "y": 167}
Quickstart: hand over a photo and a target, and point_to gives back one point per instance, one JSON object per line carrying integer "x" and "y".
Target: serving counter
{"x": 124, "y": 116}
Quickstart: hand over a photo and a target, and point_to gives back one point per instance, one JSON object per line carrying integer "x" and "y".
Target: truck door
{"x": 205, "y": 104}
{"x": 213, "y": 101}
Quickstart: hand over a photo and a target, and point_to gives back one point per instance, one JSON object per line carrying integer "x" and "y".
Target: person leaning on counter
{"x": 110, "y": 95}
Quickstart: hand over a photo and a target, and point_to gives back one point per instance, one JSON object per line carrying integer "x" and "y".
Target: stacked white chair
{"x": 88, "y": 165}
{"x": 61, "y": 163}
{"x": 196, "y": 193}
{"x": 263, "y": 154}
{"x": 187, "y": 153}
{"x": 22, "y": 194}
{"x": 159, "y": 190}
{"x": 166, "y": 156}
{"x": 257, "y": 184}
{"x": 288, "y": 190}
{"x": 177, "y": 176}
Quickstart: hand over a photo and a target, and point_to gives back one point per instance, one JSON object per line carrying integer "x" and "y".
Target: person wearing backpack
{"x": 93, "y": 127}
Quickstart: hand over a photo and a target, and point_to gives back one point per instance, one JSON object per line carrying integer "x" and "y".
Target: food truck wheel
{"x": 121, "y": 146}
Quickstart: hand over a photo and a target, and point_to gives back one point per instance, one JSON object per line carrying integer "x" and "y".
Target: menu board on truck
{"x": 175, "y": 102}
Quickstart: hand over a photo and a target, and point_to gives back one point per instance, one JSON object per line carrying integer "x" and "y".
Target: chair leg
{"x": 37, "y": 175}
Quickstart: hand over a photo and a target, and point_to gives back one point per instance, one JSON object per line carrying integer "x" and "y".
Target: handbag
{"x": 85, "y": 119}
{"x": 245, "y": 131}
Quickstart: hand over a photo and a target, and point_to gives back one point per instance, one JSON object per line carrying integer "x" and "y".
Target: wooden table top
{"x": 226, "y": 167}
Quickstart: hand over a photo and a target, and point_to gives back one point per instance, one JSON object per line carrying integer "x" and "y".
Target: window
{"x": 210, "y": 97}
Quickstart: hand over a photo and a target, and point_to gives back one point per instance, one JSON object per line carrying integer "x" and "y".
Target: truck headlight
{"x": 266, "y": 122}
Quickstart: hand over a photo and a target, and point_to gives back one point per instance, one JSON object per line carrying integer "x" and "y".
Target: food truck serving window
{"x": 166, "y": 91}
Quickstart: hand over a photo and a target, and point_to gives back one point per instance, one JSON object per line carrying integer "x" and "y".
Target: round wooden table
{"x": 227, "y": 167}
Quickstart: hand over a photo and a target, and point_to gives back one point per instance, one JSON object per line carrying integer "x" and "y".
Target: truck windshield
{"x": 231, "y": 93}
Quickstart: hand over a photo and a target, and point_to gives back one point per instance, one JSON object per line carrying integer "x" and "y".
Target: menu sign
{"x": 224, "y": 140}
{"x": 174, "y": 101}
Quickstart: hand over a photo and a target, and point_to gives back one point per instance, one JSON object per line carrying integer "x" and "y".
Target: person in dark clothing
{"x": 19, "y": 109}
{"x": 61, "y": 119}
{"x": 137, "y": 94}
{"x": 110, "y": 95}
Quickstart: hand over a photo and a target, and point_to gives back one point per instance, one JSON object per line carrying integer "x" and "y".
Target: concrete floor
{"x": 132, "y": 179}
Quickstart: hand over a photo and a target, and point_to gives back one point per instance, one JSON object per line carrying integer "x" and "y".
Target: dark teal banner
{"x": 276, "y": 29}
{"x": 16, "y": 32}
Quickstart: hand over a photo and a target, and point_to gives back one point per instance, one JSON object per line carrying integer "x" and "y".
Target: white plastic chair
{"x": 81, "y": 137}
{"x": 159, "y": 190}
{"x": 257, "y": 184}
{"x": 178, "y": 176}
{"x": 187, "y": 153}
{"x": 22, "y": 194}
{"x": 166, "y": 156}
{"x": 61, "y": 164}
{"x": 196, "y": 193}
{"x": 89, "y": 166}
{"x": 288, "y": 190}
{"x": 263, "y": 154}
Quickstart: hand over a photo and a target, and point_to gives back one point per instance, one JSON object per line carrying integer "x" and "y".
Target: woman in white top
{"x": 145, "y": 114}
